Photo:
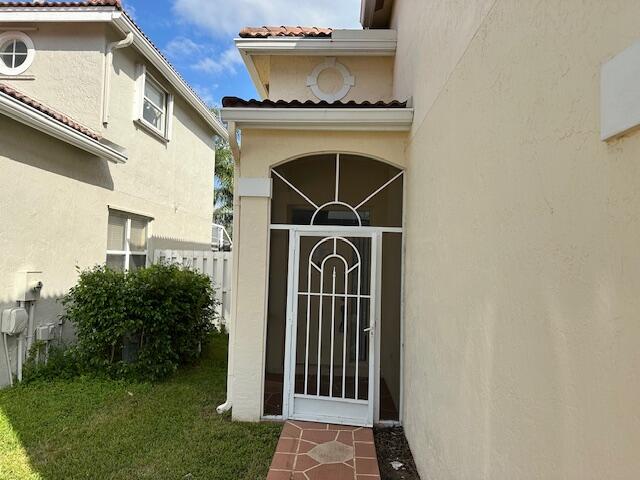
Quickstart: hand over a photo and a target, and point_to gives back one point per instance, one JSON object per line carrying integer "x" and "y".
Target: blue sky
{"x": 197, "y": 35}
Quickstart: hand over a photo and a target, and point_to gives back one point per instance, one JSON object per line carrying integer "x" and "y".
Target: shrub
{"x": 56, "y": 361}
{"x": 141, "y": 324}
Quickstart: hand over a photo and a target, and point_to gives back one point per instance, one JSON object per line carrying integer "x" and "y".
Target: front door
{"x": 331, "y": 326}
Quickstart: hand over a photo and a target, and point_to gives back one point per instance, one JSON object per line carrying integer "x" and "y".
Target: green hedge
{"x": 141, "y": 324}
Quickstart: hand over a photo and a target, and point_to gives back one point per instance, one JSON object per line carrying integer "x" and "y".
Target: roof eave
{"x": 38, "y": 120}
{"x": 341, "y": 43}
{"x": 253, "y": 73}
{"x": 77, "y": 14}
{"x": 373, "y": 15}
{"x": 334, "y": 119}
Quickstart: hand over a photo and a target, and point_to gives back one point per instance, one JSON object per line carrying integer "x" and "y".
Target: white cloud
{"x": 222, "y": 18}
{"x": 130, "y": 9}
{"x": 182, "y": 47}
{"x": 226, "y": 62}
{"x": 206, "y": 94}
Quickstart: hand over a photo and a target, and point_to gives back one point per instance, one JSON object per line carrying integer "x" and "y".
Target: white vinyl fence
{"x": 216, "y": 265}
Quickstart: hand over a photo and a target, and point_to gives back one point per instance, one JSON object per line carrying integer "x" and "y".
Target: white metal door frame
{"x": 295, "y": 234}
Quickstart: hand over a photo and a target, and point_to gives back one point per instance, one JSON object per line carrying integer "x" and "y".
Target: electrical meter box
{"x": 46, "y": 333}
{"x": 14, "y": 321}
{"x": 28, "y": 286}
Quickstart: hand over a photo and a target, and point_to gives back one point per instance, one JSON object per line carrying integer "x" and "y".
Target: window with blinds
{"x": 126, "y": 241}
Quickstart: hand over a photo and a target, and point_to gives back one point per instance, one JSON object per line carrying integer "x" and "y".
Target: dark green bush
{"x": 57, "y": 361}
{"x": 141, "y": 324}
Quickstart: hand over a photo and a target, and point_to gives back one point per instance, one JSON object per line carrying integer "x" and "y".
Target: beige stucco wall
{"x": 54, "y": 198}
{"x": 522, "y": 233}
{"x": 288, "y": 77}
{"x": 262, "y": 149}
{"x": 67, "y": 71}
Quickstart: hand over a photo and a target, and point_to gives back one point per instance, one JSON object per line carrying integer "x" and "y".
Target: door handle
{"x": 370, "y": 330}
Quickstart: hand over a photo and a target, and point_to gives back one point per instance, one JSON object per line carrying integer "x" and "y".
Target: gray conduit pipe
{"x": 6, "y": 356}
{"x": 21, "y": 354}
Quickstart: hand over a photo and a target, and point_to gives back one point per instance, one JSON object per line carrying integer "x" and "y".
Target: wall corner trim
{"x": 254, "y": 187}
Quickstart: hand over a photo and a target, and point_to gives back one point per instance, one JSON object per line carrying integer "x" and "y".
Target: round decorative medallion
{"x": 330, "y": 68}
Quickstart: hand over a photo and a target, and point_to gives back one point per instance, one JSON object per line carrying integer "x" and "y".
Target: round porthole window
{"x": 16, "y": 53}
{"x": 330, "y": 81}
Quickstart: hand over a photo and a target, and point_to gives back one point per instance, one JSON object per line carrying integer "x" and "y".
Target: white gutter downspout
{"x": 235, "y": 149}
{"x": 108, "y": 64}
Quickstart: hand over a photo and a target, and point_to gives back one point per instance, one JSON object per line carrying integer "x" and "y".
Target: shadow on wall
{"x": 48, "y": 310}
{"x": 36, "y": 150}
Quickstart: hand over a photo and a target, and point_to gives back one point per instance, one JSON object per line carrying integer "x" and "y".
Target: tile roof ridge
{"x": 267, "y": 31}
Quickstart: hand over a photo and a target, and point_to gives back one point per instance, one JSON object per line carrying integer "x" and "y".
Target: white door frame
{"x": 295, "y": 234}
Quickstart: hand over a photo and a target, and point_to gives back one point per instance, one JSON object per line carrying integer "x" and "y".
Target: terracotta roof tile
{"x": 285, "y": 31}
{"x": 60, "y": 117}
{"x": 235, "y": 102}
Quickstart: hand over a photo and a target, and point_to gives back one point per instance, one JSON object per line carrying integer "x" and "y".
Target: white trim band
{"x": 348, "y": 119}
{"x": 254, "y": 187}
{"x": 341, "y": 42}
{"x": 31, "y": 117}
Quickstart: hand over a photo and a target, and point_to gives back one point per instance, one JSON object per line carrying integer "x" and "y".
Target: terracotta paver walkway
{"x": 318, "y": 451}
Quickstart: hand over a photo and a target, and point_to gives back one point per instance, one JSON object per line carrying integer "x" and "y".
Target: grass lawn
{"x": 101, "y": 429}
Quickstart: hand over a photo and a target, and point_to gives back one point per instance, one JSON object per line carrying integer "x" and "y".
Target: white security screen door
{"x": 337, "y": 208}
{"x": 331, "y": 326}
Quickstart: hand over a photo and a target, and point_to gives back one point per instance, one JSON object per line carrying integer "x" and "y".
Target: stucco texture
{"x": 288, "y": 78}
{"x": 67, "y": 70}
{"x": 522, "y": 230}
{"x": 262, "y": 149}
{"x": 54, "y": 198}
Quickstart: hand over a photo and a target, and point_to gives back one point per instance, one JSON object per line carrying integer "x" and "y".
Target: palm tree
{"x": 223, "y": 185}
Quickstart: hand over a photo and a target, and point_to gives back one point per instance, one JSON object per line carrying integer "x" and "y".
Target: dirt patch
{"x": 394, "y": 456}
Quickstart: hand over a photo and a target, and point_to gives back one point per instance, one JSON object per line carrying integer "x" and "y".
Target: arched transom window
{"x": 337, "y": 189}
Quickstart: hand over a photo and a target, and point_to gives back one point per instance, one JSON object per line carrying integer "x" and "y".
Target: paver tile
{"x": 331, "y": 471}
{"x": 304, "y": 463}
{"x": 290, "y": 431}
{"x": 365, "y": 450}
{"x": 304, "y": 446}
{"x": 367, "y": 466}
{"x": 318, "y": 436}
{"x": 288, "y": 445}
{"x": 345, "y": 437}
{"x": 278, "y": 475}
{"x": 363, "y": 435}
{"x": 315, "y": 451}
{"x": 283, "y": 461}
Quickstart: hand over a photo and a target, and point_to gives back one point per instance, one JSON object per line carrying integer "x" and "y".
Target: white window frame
{"x": 127, "y": 252}
{"x": 142, "y": 76}
{"x": 31, "y": 52}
